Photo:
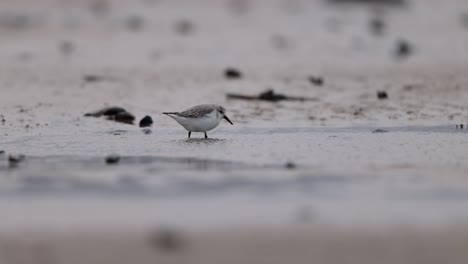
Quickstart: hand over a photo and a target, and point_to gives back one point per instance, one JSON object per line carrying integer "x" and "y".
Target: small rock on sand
{"x": 377, "y": 26}
{"x": 184, "y": 27}
{"x": 100, "y": 7}
{"x": 66, "y": 47}
{"x": 135, "y": 23}
{"x": 112, "y": 159}
{"x": 403, "y": 49}
{"x": 290, "y": 165}
{"x": 464, "y": 19}
{"x": 380, "y": 131}
{"x": 146, "y": 121}
{"x": 166, "y": 240}
{"x": 232, "y": 73}
{"x": 14, "y": 159}
{"x": 316, "y": 80}
{"x": 92, "y": 78}
{"x": 382, "y": 95}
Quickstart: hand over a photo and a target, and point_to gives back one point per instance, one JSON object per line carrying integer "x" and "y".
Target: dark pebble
{"x": 15, "y": 21}
{"x": 92, "y": 78}
{"x": 184, "y": 27}
{"x": 66, "y": 48}
{"x": 13, "y": 159}
{"x": 232, "y": 73}
{"x": 280, "y": 42}
{"x": 108, "y": 111}
{"x": 377, "y": 26}
{"x": 112, "y": 159}
{"x": 239, "y": 7}
{"x": 100, "y": 7}
{"x": 290, "y": 165}
{"x": 464, "y": 19}
{"x": 124, "y": 117}
{"x": 316, "y": 80}
{"x": 135, "y": 23}
{"x": 166, "y": 240}
{"x": 380, "y": 131}
{"x": 270, "y": 95}
{"x": 359, "y": 111}
{"x": 382, "y": 95}
{"x": 403, "y": 49}
{"x": 147, "y": 131}
{"x": 2, "y": 152}
{"x": 147, "y": 121}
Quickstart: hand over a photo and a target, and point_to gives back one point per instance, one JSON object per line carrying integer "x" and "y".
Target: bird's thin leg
{"x": 189, "y": 133}
{"x": 206, "y": 136}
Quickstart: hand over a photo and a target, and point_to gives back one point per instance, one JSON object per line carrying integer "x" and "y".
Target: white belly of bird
{"x": 201, "y": 124}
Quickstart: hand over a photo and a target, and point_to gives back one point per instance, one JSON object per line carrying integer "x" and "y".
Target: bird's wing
{"x": 197, "y": 111}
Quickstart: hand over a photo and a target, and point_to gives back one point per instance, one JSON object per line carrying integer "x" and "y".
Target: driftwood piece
{"x": 269, "y": 95}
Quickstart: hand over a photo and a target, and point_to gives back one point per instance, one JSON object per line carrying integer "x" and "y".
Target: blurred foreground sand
{"x": 326, "y": 246}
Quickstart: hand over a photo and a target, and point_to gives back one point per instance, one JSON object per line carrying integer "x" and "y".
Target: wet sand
{"x": 313, "y": 166}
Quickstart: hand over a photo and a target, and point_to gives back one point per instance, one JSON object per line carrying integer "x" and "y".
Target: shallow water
{"x": 340, "y": 176}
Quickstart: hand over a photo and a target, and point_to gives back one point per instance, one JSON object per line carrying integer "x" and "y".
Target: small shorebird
{"x": 200, "y": 118}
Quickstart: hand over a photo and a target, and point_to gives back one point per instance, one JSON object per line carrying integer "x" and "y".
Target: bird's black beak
{"x": 227, "y": 119}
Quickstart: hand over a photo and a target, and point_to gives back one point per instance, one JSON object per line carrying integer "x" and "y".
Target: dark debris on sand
{"x": 184, "y": 27}
{"x": 112, "y": 159}
{"x": 66, "y": 47}
{"x": 377, "y": 26}
{"x": 146, "y": 121}
{"x": 268, "y": 95}
{"x": 167, "y": 240}
{"x": 382, "y": 95}
{"x": 403, "y": 49}
{"x": 316, "y": 80}
{"x": 231, "y": 73}
{"x": 380, "y": 131}
{"x": 92, "y": 78}
{"x": 124, "y": 117}
{"x": 290, "y": 165}
{"x": 464, "y": 20}
{"x": 135, "y": 23}
{"x": 15, "y": 159}
{"x": 115, "y": 113}
{"x": 108, "y": 111}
